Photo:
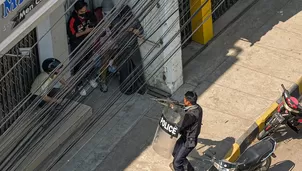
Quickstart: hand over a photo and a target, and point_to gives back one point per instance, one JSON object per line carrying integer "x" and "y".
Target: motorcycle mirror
{"x": 283, "y": 87}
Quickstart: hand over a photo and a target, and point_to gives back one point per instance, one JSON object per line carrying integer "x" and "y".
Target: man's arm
{"x": 136, "y": 28}
{"x": 188, "y": 121}
{"x": 176, "y": 108}
{"x": 73, "y": 31}
{"x": 48, "y": 99}
{"x": 63, "y": 82}
{"x": 87, "y": 31}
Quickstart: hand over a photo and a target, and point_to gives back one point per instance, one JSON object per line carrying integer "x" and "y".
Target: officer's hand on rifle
{"x": 172, "y": 106}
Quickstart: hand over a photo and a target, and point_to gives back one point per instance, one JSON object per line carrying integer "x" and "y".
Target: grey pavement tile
{"x": 249, "y": 81}
{"x": 107, "y": 136}
{"x": 230, "y": 101}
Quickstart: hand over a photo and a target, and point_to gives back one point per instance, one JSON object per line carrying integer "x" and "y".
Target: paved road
{"x": 289, "y": 151}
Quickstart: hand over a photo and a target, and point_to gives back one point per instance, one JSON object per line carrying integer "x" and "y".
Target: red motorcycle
{"x": 289, "y": 112}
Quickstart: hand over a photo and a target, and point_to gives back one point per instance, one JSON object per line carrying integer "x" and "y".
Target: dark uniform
{"x": 189, "y": 130}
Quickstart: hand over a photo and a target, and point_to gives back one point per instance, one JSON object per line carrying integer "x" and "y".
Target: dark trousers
{"x": 52, "y": 93}
{"x": 76, "y": 67}
{"x": 80, "y": 63}
{"x": 180, "y": 153}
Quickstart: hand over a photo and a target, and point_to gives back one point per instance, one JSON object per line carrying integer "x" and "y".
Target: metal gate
{"x": 16, "y": 80}
{"x": 226, "y": 5}
{"x": 184, "y": 15}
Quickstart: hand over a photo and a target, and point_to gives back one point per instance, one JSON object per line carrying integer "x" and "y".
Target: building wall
{"x": 45, "y": 44}
{"x": 59, "y": 35}
{"x": 169, "y": 77}
{"x": 36, "y": 16}
{"x": 55, "y": 43}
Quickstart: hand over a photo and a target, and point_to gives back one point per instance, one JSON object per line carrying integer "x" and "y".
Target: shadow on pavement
{"x": 286, "y": 165}
{"x": 211, "y": 148}
{"x": 219, "y": 56}
{"x": 284, "y": 133}
{"x": 134, "y": 152}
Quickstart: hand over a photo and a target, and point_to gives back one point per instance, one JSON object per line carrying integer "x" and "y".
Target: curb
{"x": 250, "y": 135}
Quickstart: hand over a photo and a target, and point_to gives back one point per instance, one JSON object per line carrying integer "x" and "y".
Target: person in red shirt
{"x": 80, "y": 24}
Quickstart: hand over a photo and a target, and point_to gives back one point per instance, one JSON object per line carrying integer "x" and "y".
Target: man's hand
{"x": 88, "y": 30}
{"x": 136, "y": 31}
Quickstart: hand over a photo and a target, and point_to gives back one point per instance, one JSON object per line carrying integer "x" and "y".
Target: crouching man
{"x": 39, "y": 86}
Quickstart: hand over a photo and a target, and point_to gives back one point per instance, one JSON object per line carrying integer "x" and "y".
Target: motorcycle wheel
{"x": 265, "y": 165}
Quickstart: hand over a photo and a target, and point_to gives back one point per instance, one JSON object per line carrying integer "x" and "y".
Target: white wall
{"x": 170, "y": 76}
{"x": 39, "y": 16}
{"x": 59, "y": 34}
{"x": 45, "y": 44}
{"x": 55, "y": 43}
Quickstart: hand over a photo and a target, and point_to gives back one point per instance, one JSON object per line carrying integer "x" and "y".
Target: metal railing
{"x": 16, "y": 80}
{"x": 222, "y": 9}
{"x": 184, "y": 15}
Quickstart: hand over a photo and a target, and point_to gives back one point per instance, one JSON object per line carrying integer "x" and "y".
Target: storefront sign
{"x": 24, "y": 11}
{"x": 168, "y": 127}
{"x": 10, "y": 5}
{"x": 14, "y": 12}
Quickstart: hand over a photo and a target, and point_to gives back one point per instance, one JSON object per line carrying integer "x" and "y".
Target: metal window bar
{"x": 16, "y": 84}
{"x": 184, "y": 6}
{"x": 222, "y": 9}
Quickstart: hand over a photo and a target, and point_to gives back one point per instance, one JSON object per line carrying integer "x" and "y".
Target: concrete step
{"x": 98, "y": 143}
{"x": 64, "y": 126}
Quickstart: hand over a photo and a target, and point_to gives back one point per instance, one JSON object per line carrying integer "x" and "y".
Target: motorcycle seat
{"x": 254, "y": 154}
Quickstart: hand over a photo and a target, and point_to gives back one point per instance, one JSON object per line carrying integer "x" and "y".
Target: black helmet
{"x": 50, "y": 64}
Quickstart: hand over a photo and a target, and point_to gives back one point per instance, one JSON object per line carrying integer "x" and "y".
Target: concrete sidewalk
{"x": 237, "y": 77}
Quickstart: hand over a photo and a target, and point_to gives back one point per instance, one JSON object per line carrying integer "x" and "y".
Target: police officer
{"x": 189, "y": 130}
